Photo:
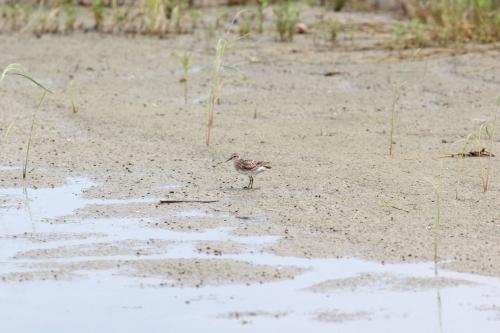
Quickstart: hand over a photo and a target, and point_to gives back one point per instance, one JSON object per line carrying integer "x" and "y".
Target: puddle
{"x": 192, "y": 213}
{"x": 26, "y": 207}
{"x": 8, "y": 168}
{"x": 204, "y": 98}
{"x": 329, "y": 295}
{"x": 169, "y": 187}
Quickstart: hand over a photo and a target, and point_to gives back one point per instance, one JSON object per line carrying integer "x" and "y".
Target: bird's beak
{"x": 229, "y": 159}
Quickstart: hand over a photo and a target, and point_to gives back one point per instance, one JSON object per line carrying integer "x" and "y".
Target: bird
{"x": 248, "y": 168}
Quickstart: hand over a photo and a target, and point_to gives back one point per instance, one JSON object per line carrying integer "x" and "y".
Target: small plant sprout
{"x": 195, "y": 16}
{"x": 216, "y": 86}
{"x": 287, "y": 17}
{"x": 7, "y": 131}
{"x": 217, "y": 81}
{"x": 16, "y": 69}
{"x": 155, "y": 18}
{"x": 485, "y": 171}
{"x": 490, "y": 131}
{"x": 28, "y": 145}
{"x": 465, "y": 146}
{"x": 333, "y": 29}
{"x": 316, "y": 28}
{"x": 395, "y": 100}
{"x": 169, "y": 8}
{"x": 210, "y": 30}
{"x": 260, "y": 14}
{"x": 486, "y": 129}
{"x": 246, "y": 23}
{"x": 185, "y": 62}
{"x": 437, "y": 219}
{"x": 326, "y": 29}
{"x": 176, "y": 18}
{"x": 98, "y": 12}
{"x": 53, "y": 20}
{"x": 71, "y": 13}
{"x": 74, "y": 107}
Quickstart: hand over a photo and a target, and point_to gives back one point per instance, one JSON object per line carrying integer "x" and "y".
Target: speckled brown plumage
{"x": 249, "y": 168}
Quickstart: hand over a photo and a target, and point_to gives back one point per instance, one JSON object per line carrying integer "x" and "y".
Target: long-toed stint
{"x": 248, "y": 168}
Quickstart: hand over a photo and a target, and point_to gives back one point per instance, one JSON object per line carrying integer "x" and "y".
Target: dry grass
{"x": 442, "y": 22}
{"x": 465, "y": 146}
{"x": 476, "y": 140}
{"x": 437, "y": 219}
{"x": 69, "y": 90}
{"x": 431, "y": 23}
{"x": 486, "y": 171}
{"x": 216, "y": 85}
{"x": 185, "y": 61}
{"x": 146, "y": 17}
{"x": 394, "y": 115}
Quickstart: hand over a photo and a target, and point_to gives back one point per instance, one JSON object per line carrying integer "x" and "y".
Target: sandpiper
{"x": 248, "y": 168}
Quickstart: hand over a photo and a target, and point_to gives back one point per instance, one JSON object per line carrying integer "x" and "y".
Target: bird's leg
{"x": 249, "y": 182}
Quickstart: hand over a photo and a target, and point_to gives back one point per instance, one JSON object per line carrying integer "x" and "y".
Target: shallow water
{"x": 331, "y": 295}
{"x": 9, "y": 168}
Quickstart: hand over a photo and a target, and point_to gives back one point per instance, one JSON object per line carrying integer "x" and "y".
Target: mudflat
{"x": 333, "y": 190}
{"x": 320, "y": 115}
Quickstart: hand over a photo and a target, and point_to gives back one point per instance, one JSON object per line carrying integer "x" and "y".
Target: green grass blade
{"x": 16, "y": 69}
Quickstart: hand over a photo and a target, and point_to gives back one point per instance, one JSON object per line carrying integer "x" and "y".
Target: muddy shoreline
{"x": 335, "y": 215}
{"x": 333, "y": 190}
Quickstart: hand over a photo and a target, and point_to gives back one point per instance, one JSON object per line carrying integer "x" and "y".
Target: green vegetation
{"x": 475, "y": 143}
{"x": 442, "y": 22}
{"x": 16, "y": 69}
{"x": 246, "y": 20}
{"x": 488, "y": 129}
{"x": 71, "y": 14}
{"x": 327, "y": 30}
{"x": 333, "y": 28}
{"x": 465, "y": 146}
{"x": 176, "y": 19}
{"x": 74, "y": 107}
{"x": 195, "y": 16}
{"x": 437, "y": 219}
{"x": 395, "y": 100}
{"x": 98, "y": 11}
{"x": 185, "y": 62}
{"x": 287, "y": 17}
{"x": 260, "y": 14}
{"x": 429, "y": 23}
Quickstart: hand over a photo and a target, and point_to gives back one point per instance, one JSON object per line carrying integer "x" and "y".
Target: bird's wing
{"x": 249, "y": 164}
{"x": 262, "y": 163}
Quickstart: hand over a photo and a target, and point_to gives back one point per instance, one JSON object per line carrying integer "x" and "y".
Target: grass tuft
{"x": 216, "y": 85}
{"x": 186, "y": 63}
{"x": 74, "y": 107}
{"x": 245, "y": 23}
{"x": 262, "y": 4}
{"x": 287, "y": 17}
{"x": 394, "y": 115}
{"x": 437, "y": 219}
{"x": 16, "y": 69}
{"x": 441, "y": 22}
{"x": 98, "y": 12}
